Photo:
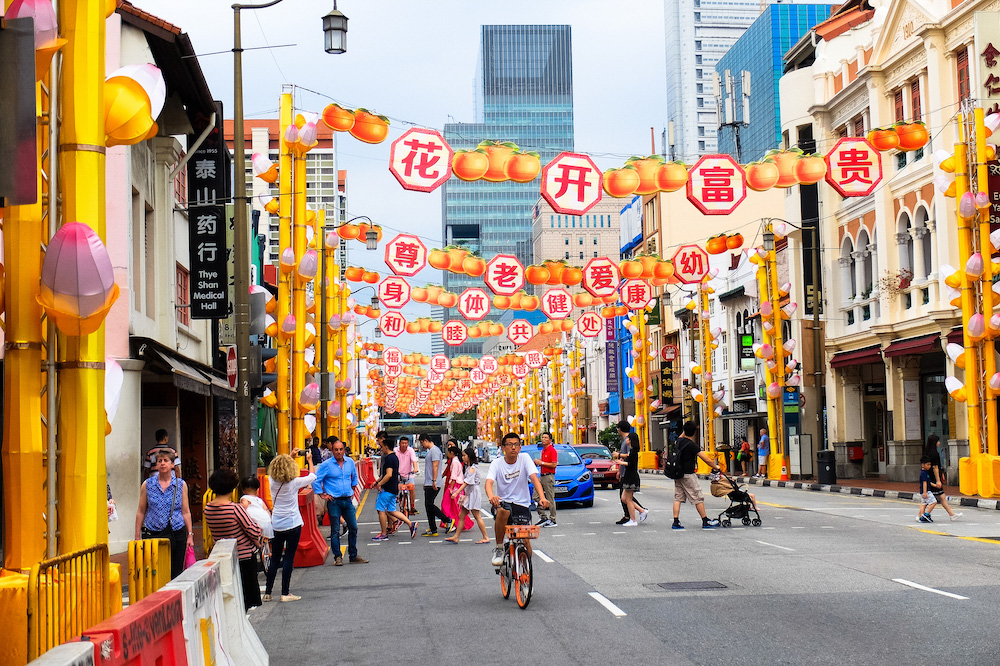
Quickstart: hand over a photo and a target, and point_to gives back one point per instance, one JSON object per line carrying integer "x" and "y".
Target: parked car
{"x": 598, "y": 460}
{"x": 574, "y": 482}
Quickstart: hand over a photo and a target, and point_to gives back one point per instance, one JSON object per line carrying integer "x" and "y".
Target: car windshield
{"x": 568, "y": 458}
{"x": 591, "y": 452}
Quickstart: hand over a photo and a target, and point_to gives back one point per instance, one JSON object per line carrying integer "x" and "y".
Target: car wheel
{"x": 588, "y": 503}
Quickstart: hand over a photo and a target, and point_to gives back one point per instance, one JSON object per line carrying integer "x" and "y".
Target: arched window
{"x": 904, "y": 243}
{"x": 865, "y": 255}
{"x": 922, "y": 245}
{"x": 848, "y": 276}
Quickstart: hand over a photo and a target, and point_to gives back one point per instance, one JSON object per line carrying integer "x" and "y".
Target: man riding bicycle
{"x": 507, "y": 490}
{"x": 408, "y": 469}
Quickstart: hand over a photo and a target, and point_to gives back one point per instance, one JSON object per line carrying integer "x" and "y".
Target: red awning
{"x": 925, "y": 344}
{"x": 956, "y": 336}
{"x": 857, "y": 357}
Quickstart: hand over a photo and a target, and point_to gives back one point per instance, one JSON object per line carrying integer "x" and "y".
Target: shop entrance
{"x": 874, "y": 429}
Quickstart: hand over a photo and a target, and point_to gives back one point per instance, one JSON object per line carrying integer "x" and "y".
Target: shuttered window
{"x": 915, "y": 98}
{"x": 963, "y": 74}
{"x": 898, "y": 104}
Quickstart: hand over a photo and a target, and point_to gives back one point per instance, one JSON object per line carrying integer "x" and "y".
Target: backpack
{"x": 671, "y": 466}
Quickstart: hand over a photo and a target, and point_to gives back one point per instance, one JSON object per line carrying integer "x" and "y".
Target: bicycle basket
{"x": 523, "y": 531}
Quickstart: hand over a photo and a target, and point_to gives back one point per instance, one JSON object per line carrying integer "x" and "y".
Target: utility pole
{"x": 725, "y": 106}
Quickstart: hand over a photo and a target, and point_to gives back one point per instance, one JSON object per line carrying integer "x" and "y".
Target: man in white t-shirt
{"x": 507, "y": 490}
{"x": 408, "y": 469}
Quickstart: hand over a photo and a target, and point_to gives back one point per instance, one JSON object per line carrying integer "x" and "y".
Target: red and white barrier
{"x": 67, "y": 654}
{"x": 204, "y": 614}
{"x": 240, "y": 639}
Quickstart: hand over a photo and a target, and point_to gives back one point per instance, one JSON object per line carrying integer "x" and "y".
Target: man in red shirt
{"x": 546, "y": 476}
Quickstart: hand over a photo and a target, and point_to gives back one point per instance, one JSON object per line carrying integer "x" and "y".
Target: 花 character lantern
{"x": 420, "y": 159}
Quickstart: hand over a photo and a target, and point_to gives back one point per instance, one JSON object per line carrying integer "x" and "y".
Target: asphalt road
{"x": 827, "y": 579}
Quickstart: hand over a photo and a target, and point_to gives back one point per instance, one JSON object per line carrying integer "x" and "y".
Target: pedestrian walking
{"x": 164, "y": 511}
{"x": 388, "y": 485}
{"x": 546, "y": 464}
{"x": 335, "y": 482}
{"x": 470, "y": 496}
{"x": 630, "y": 483}
{"x": 763, "y": 450}
{"x": 433, "y": 482}
{"x": 687, "y": 488}
{"x": 939, "y": 480}
{"x": 745, "y": 455}
{"x": 162, "y": 444}
{"x": 927, "y": 501}
{"x": 622, "y": 454}
{"x": 453, "y": 476}
{"x": 229, "y": 520}
{"x": 286, "y": 519}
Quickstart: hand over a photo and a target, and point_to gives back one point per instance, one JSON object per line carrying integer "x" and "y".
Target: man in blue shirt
{"x": 763, "y": 450}
{"x": 335, "y": 482}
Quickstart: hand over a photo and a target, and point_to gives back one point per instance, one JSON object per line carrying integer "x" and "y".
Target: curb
{"x": 955, "y": 500}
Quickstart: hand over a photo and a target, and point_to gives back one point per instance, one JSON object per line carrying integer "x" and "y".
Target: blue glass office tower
{"x": 760, "y": 51}
{"x": 524, "y": 94}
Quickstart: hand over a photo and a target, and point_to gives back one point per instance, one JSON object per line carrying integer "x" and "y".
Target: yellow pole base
{"x": 705, "y": 468}
{"x": 647, "y": 460}
{"x": 979, "y": 475}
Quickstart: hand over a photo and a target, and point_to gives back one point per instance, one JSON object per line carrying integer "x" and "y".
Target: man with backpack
{"x": 680, "y": 467}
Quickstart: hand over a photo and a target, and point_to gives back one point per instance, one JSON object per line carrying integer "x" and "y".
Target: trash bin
{"x": 826, "y": 467}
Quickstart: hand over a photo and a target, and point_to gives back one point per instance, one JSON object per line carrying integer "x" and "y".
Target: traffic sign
{"x": 231, "y": 369}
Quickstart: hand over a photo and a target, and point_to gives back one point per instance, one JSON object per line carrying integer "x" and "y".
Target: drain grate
{"x": 692, "y": 585}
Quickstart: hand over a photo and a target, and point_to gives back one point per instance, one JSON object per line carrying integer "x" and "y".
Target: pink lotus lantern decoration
{"x": 78, "y": 283}
{"x": 288, "y": 326}
{"x": 308, "y": 266}
{"x": 133, "y": 98}
{"x": 264, "y": 168}
{"x": 47, "y": 40}
{"x": 309, "y": 397}
{"x": 773, "y": 390}
{"x": 287, "y": 260}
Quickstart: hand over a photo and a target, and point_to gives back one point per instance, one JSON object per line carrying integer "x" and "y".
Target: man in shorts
{"x": 388, "y": 485}
{"x": 407, "y": 470}
{"x": 688, "y": 487}
{"x": 507, "y": 490}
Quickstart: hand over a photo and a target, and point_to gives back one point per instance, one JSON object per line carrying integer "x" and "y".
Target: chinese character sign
{"x": 405, "y": 255}
{"x": 520, "y": 332}
{"x": 474, "y": 304}
{"x": 572, "y": 183}
{"x": 439, "y": 363}
{"x": 636, "y": 294}
{"x": 488, "y": 364}
{"x": 392, "y": 356}
{"x": 557, "y": 303}
{"x": 717, "y": 185}
{"x": 611, "y": 359}
{"x": 520, "y": 371}
{"x": 394, "y": 292}
{"x": 504, "y": 275}
{"x": 601, "y": 277}
{"x": 477, "y": 376}
{"x": 392, "y": 324}
{"x": 393, "y": 370}
{"x": 420, "y": 159}
{"x": 589, "y": 324}
{"x": 987, "y": 45}
{"x": 208, "y": 192}
{"x": 854, "y": 167}
{"x": 454, "y": 333}
{"x": 690, "y": 264}
{"x": 534, "y": 358}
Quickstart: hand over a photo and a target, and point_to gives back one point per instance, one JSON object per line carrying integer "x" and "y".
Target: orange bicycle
{"x": 516, "y": 568}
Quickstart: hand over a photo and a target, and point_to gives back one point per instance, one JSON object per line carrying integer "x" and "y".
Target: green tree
{"x": 610, "y": 438}
{"x": 463, "y": 425}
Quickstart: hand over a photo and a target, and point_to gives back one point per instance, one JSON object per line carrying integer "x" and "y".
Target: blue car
{"x": 574, "y": 482}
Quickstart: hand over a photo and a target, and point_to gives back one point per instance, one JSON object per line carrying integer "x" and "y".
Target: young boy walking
{"x": 927, "y": 500}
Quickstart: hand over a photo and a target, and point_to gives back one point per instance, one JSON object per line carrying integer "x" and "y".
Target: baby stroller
{"x": 740, "y": 503}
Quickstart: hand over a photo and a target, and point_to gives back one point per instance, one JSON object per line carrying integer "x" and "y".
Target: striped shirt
{"x": 231, "y": 521}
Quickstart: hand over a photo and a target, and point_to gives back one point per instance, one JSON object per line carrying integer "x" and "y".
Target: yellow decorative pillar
{"x": 283, "y": 357}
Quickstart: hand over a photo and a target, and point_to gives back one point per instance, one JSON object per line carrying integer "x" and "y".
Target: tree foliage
{"x": 463, "y": 426}
{"x": 609, "y": 437}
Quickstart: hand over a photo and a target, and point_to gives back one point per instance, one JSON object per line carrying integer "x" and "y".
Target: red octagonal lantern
{"x": 590, "y": 324}
{"x": 405, "y": 255}
{"x": 572, "y": 183}
{"x": 392, "y": 324}
{"x": 394, "y": 292}
{"x": 690, "y": 264}
{"x": 601, "y": 277}
{"x": 557, "y": 303}
{"x": 454, "y": 333}
{"x": 477, "y": 375}
{"x": 520, "y": 332}
{"x": 853, "y": 167}
{"x": 504, "y": 275}
{"x": 520, "y": 371}
{"x": 717, "y": 185}
{"x": 420, "y": 159}
{"x": 474, "y": 303}
{"x": 534, "y": 359}
{"x": 636, "y": 294}
{"x": 392, "y": 356}
{"x": 488, "y": 364}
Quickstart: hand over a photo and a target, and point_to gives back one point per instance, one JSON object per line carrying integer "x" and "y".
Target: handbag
{"x": 189, "y": 558}
{"x": 166, "y": 531}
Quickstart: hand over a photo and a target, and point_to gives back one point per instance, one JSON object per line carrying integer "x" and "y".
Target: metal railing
{"x": 148, "y": 567}
{"x": 66, "y": 596}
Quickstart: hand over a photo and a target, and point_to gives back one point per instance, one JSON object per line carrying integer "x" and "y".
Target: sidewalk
{"x": 869, "y": 486}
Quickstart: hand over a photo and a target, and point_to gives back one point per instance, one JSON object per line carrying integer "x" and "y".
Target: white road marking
{"x": 618, "y": 532}
{"x": 543, "y": 556}
{"x": 595, "y": 522}
{"x": 827, "y": 527}
{"x": 589, "y": 534}
{"x": 918, "y": 586}
{"x": 774, "y": 545}
{"x": 798, "y": 527}
{"x": 438, "y": 541}
{"x": 768, "y": 528}
{"x": 557, "y": 535}
{"x": 604, "y": 499}
{"x": 604, "y": 601}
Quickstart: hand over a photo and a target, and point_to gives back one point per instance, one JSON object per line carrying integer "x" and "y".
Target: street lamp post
{"x": 335, "y": 35}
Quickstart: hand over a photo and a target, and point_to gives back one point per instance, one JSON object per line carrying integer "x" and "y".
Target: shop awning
{"x": 220, "y": 386}
{"x": 732, "y": 293}
{"x": 744, "y": 416}
{"x": 862, "y": 356}
{"x": 186, "y": 377}
{"x": 923, "y": 344}
{"x": 956, "y": 336}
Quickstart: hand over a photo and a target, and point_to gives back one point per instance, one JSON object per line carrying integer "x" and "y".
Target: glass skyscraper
{"x": 524, "y": 94}
{"x": 760, "y": 51}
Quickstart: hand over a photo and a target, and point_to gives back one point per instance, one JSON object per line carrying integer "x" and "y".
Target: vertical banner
{"x": 207, "y": 197}
{"x": 612, "y": 361}
{"x": 609, "y": 329}
{"x": 987, "y": 44}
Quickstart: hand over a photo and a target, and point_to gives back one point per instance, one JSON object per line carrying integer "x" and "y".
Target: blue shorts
{"x": 386, "y": 501}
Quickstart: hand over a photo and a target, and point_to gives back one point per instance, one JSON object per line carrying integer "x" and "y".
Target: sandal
{"x": 483, "y": 541}
{"x": 452, "y": 540}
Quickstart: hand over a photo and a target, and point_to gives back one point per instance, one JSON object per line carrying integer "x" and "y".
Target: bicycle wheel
{"x": 523, "y": 577}
{"x": 506, "y": 577}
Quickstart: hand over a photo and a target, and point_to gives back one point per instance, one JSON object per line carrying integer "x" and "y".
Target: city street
{"x": 826, "y": 579}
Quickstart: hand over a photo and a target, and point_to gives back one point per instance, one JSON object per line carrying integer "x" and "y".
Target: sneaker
{"x": 630, "y": 523}
{"x": 413, "y": 528}
{"x": 643, "y": 515}
{"x": 429, "y": 533}
{"x": 290, "y": 597}
{"x": 676, "y": 526}
{"x": 338, "y": 561}
{"x": 266, "y": 597}
{"x": 497, "y": 557}
{"x": 343, "y": 529}
{"x": 542, "y": 521}
{"x": 708, "y": 524}
{"x": 380, "y": 537}
{"x": 922, "y": 518}
{"x": 928, "y": 517}
{"x": 956, "y": 516}
{"x": 624, "y": 520}
{"x": 358, "y": 560}
{"x": 549, "y": 523}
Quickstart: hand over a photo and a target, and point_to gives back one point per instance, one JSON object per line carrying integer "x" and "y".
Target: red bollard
{"x": 313, "y": 549}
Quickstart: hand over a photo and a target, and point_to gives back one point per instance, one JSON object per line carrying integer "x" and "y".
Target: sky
{"x": 415, "y": 63}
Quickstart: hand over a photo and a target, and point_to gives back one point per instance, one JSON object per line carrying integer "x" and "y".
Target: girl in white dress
{"x": 469, "y": 495}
